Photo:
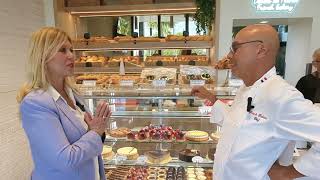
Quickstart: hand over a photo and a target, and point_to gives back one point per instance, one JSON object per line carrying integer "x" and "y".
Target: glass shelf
{"x": 115, "y": 140}
{"x": 153, "y": 114}
{"x": 138, "y": 97}
{"x": 174, "y": 162}
{"x": 153, "y": 97}
{"x": 150, "y": 92}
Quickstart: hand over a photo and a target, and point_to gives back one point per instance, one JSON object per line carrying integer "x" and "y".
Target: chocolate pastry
{"x": 187, "y": 155}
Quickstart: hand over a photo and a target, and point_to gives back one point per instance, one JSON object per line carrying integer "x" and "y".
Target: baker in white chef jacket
{"x": 266, "y": 115}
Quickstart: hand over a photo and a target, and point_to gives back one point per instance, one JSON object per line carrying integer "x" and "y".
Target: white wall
{"x": 298, "y": 46}
{"x": 229, "y": 10}
{"x": 18, "y": 19}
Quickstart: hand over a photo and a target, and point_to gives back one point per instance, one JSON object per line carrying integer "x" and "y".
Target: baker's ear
{"x": 262, "y": 50}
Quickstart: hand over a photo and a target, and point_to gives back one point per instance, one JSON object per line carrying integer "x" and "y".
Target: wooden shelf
{"x": 119, "y": 46}
{"x": 133, "y": 10}
{"x": 111, "y": 70}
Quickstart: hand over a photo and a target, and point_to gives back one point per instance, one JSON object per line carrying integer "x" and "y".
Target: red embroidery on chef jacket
{"x": 257, "y": 117}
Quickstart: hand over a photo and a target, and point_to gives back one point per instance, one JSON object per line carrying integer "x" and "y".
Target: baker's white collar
{"x": 266, "y": 76}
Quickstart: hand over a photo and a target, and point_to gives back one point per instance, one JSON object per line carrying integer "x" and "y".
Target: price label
{"x": 177, "y": 90}
{"x": 141, "y": 160}
{"x": 126, "y": 83}
{"x": 197, "y": 159}
{"x": 159, "y": 83}
{"x": 197, "y": 82}
{"x": 120, "y": 159}
{"x": 89, "y": 82}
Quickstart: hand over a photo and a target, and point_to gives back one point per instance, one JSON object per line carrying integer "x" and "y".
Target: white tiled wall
{"x": 18, "y": 18}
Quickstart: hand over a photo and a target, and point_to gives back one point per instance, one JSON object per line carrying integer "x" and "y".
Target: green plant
{"x": 154, "y": 26}
{"x": 124, "y": 26}
{"x": 165, "y": 28}
{"x": 204, "y": 15}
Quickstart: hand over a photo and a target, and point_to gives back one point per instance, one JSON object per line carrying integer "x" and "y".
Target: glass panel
{"x": 167, "y": 23}
{"x": 193, "y": 27}
{"x": 97, "y": 26}
{"x": 105, "y": 26}
{"x": 146, "y": 26}
{"x": 124, "y": 26}
{"x": 179, "y": 24}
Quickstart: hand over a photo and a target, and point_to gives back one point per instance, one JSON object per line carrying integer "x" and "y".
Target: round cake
{"x": 197, "y": 136}
{"x": 215, "y": 136}
{"x": 158, "y": 157}
{"x": 130, "y": 152}
{"x": 187, "y": 155}
{"x": 107, "y": 152}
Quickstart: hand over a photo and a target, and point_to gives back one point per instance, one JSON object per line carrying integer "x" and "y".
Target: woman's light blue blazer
{"x": 61, "y": 147}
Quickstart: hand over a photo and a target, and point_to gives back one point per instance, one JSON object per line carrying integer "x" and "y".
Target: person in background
{"x": 66, "y": 141}
{"x": 267, "y": 115}
{"x": 281, "y": 60}
{"x": 309, "y": 85}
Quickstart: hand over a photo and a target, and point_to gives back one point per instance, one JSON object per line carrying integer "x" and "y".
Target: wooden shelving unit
{"x": 82, "y": 46}
{"x": 141, "y": 9}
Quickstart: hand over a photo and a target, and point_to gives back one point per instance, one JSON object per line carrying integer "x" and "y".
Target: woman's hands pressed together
{"x": 97, "y": 122}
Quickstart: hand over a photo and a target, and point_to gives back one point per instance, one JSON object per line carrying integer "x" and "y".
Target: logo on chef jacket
{"x": 258, "y": 116}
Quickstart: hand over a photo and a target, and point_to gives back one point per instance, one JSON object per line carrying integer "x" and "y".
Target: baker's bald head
{"x": 253, "y": 52}
{"x": 263, "y": 32}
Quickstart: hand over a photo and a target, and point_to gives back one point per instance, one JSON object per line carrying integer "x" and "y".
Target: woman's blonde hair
{"x": 316, "y": 54}
{"x": 44, "y": 44}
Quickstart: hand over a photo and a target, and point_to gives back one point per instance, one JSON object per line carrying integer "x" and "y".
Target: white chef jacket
{"x": 252, "y": 141}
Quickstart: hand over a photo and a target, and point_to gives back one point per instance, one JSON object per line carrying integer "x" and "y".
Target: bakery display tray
{"x": 124, "y": 139}
{"x": 174, "y": 162}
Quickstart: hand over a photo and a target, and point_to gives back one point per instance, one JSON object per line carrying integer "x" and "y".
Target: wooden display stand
{"x": 127, "y": 2}
{"x": 77, "y": 3}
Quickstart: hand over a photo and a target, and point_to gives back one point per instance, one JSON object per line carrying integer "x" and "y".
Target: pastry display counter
{"x": 158, "y": 130}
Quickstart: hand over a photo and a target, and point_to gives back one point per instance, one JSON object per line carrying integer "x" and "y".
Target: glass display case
{"x": 157, "y": 128}
{"x": 161, "y": 129}
{"x": 145, "y": 69}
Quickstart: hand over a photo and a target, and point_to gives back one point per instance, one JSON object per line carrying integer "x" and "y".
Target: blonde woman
{"x": 309, "y": 85}
{"x": 65, "y": 139}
